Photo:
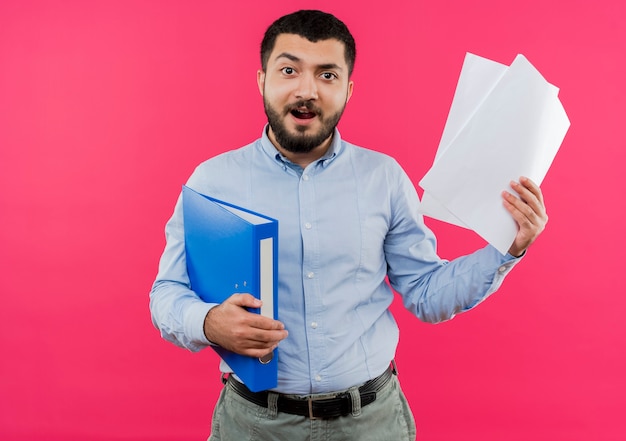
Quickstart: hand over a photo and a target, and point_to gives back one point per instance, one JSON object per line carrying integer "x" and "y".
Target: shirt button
{"x": 310, "y": 275}
{"x": 318, "y": 378}
{"x": 308, "y": 225}
{"x": 502, "y": 269}
{"x": 314, "y": 325}
{"x": 305, "y": 177}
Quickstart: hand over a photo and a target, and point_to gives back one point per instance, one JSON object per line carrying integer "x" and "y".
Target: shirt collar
{"x": 335, "y": 148}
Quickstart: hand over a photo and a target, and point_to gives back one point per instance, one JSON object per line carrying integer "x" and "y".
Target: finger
{"x": 530, "y": 194}
{"x": 516, "y": 208}
{"x": 258, "y": 353}
{"x": 529, "y": 223}
{"x": 243, "y": 336}
{"x": 264, "y": 339}
{"x": 245, "y": 300}
{"x": 530, "y": 185}
{"x": 260, "y": 328}
{"x": 256, "y": 348}
{"x": 255, "y": 320}
{"x": 525, "y": 194}
{"x": 530, "y": 191}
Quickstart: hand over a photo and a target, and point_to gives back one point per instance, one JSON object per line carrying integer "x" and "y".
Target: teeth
{"x": 303, "y": 113}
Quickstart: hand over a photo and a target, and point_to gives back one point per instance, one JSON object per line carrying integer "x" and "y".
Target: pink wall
{"x": 106, "y": 107}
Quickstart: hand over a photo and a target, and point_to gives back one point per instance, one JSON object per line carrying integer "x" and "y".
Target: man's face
{"x": 305, "y": 88}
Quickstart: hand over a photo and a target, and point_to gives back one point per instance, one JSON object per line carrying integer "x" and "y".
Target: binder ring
{"x": 267, "y": 358}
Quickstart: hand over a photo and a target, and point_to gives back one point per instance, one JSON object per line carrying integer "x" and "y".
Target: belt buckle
{"x": 310, "y": 403}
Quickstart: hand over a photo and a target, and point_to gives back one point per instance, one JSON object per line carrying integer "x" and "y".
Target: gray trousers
{"x": 389, "y": 418}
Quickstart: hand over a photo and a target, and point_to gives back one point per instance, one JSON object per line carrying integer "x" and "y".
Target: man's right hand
{"x": 232, "y": 327}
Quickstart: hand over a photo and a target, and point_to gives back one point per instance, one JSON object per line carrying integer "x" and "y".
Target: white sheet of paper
{"x": 504, "y": 123}
{"x": 478, "y": 77}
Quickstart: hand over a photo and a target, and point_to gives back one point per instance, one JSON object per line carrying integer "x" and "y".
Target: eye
{"x": 288, "y": 70}
{"x": 329, "y": 76}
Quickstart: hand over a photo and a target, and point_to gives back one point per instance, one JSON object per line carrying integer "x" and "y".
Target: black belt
{"x": 323, "y": 408}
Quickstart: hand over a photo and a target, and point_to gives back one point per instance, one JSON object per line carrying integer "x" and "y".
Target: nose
{"x": 307, "y": 88}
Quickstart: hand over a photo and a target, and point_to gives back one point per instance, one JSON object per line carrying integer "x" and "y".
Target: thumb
{"x": 245, "y": 300}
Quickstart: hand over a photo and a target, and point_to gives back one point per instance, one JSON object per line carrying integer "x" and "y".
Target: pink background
{"x": 106, "y": 107}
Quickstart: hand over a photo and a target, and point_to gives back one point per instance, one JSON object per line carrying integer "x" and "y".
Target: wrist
{"x": 207, "y": 329}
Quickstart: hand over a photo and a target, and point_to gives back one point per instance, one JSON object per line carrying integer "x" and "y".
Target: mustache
{"x": 308, "y": 104}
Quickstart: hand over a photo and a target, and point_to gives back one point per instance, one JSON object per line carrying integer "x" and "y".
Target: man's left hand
{"x": 529, "y": 212}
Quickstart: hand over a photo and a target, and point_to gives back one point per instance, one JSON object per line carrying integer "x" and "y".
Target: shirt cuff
{"x": 506, "y": 264}
{"x": 194, "y": 322}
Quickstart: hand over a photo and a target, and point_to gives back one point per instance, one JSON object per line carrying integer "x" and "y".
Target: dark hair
{"x": 312, "y": 25}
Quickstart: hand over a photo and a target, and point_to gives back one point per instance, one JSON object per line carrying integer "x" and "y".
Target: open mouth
{"x": 303, "y": 113}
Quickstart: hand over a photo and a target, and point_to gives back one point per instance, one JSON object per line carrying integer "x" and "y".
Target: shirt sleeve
{"x": 176, "y": 310}
{"x": 434, "y": 289}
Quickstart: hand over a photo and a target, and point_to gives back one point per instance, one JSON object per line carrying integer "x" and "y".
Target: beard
{"x": 300, "y": 142}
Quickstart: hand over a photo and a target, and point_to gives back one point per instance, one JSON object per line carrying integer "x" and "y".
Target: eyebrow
{"x": 295, "y": 59}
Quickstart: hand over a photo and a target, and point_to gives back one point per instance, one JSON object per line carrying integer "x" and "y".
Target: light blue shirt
{"x": 347, "y": 223}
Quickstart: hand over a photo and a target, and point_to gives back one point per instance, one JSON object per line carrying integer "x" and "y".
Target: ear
{"x": 260, "y": 80}
{"x": 350, "y": 89}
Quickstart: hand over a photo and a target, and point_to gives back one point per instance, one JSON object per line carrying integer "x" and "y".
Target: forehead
{"x": 321, "y": 52}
